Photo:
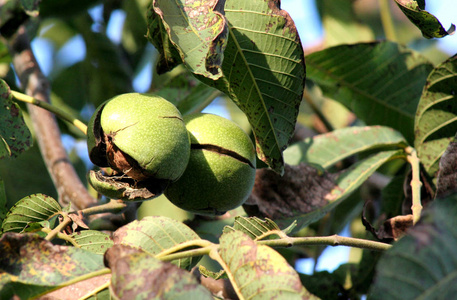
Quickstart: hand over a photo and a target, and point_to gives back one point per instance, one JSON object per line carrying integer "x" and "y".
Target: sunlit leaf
{"x": 327, "y": 149}
{"x": 139, "y": 275}
{"x": 31, "y": 265}
{"x": 425, "y": 21}
{"x": 436, "y": 116}
{"x": 33, "y": 208}
{"x": 422, "y": 264}
{"x": 93, "y": 241}
{"x": 197, "y": 29}
{"x": 156, "y": 234}
{"x": 15, "y": 136}
{"x": 258, "y": 271}
{"x": 380, "y": 82}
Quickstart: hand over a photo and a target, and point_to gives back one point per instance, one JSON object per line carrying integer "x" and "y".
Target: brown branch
{"x": 68, "y": 185}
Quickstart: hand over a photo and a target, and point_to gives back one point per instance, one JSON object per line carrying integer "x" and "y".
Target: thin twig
{"x": 387, "y": 21}
{"x": 67, "y": 183}
{"x": 51, "y": 108}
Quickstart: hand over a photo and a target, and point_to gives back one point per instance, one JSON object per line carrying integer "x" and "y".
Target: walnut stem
{"x": 67, "y": 183}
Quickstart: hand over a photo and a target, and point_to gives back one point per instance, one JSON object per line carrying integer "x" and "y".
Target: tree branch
{"x": 67, "y": 183}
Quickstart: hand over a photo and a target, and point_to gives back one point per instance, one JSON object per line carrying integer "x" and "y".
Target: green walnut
{"x": 143, "y": 139}
{"x": 221, "y": 170}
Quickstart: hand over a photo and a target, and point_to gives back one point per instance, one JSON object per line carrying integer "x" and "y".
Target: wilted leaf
{"x": 447, "y": 175}
{"x": 329, "y": 148}
{"x": 33, "y": 208}
{"x": 436, "y": 116}
{"x": 15, "y": 136}
{"x": 264, "y": 73}
{"x": 327, "y": 194}
{"x": 197, "y": 30}
{"x": 257, "y": 271}
{"x": 392, "y": 229}
{"x": 380, "y": 82}
{"x": 253, "y": 226}
{"x": 156, "y": 234}
{"x": 83, "y": 289}
{"x": 422, "y": 265}
{"x": 93, "y": 241}
{"x": 139, "y": 275}
{"x": 425, "y": 21}
{"x": 31, "y": 265}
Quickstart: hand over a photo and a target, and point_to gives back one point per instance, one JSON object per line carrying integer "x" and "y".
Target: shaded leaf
{"x": 199, "y": 97}
{"x": 341, "y": 25}
{"x": 33, "y": 208}
{"x": 93, "y": 241}
{"x": 31, "y": 265}
{"x": 264, "y": 73}
{"x": 325, "y": 285}
{"x": 197, "y": 29}
{"x": 429, "y": 25}
{"x": 423, "y": 264}
{"x": 139, "y": 275}
{"x": 329, "y": 148}
{"x": 15, "y": 136}
{"x": 314, "y": 208}
{"x": 380, "y": 82}
{"x": 447, "y": 176}
{"x": 253, "y": 226}
{"x": 3, "y": 202}
{"x": 258, "y": 271}
{"x": 436, "y": 116}
{"x": 156, "y": 234}
{"x": 31, "y": 7}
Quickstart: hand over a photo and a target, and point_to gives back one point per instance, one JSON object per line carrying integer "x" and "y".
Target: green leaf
{"x": 156, "y": 234}
{"x": 380, "y": 82}
{"x": 264, "y": 73}
{"x": 341, "y": 25}
{"x": 200, "y": 96}
{"x": 330, "y": 148}
{"x": 422, "y": 264}
{"x": 253, "y": 226}
{"x": 197, "y": 29}
{"x": 436, "y": 116}
{"x": 31, "y": 7}
{"x": 258, "y": 271}
{"x": 425, "y": 21}
{"x": 139, "y": 275}
{"x": 346, "y": 183}
{"x": 93, "y": 241}
{"x": 15, "y": 136}
{"x": 31, "y": 265}
{"x": 33, "y": 208}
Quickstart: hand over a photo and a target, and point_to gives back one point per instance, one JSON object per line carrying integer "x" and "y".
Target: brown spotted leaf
{"x": 15, "y": 136}
{"x": 197, "y": 31}
{"x": 93, "y": 240}
{"x": 429, "y": 25}
{"x": 31, "y": 265}
{"x": 139, "y": 275}
{"x": 30, "y": 209}
{"x": 253, "y": 226}
{"x": 156, "y": 234}
{"x": 258, "y": 271}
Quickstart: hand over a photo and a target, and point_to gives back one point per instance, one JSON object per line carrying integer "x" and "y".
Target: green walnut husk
{"x": 142, "y": 138}
{"x": 221, "y": 170}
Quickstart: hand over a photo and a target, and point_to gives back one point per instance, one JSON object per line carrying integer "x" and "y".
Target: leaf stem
{"x": 333, "y": 240}
{"x": 416, "y": 183}
{"x": 65, "y": 222}
{"x": 194, "y": 243}
{"x": 49, "y": 107}
{"x": 387, "y": 20}
{"x": 114, "y": 206}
